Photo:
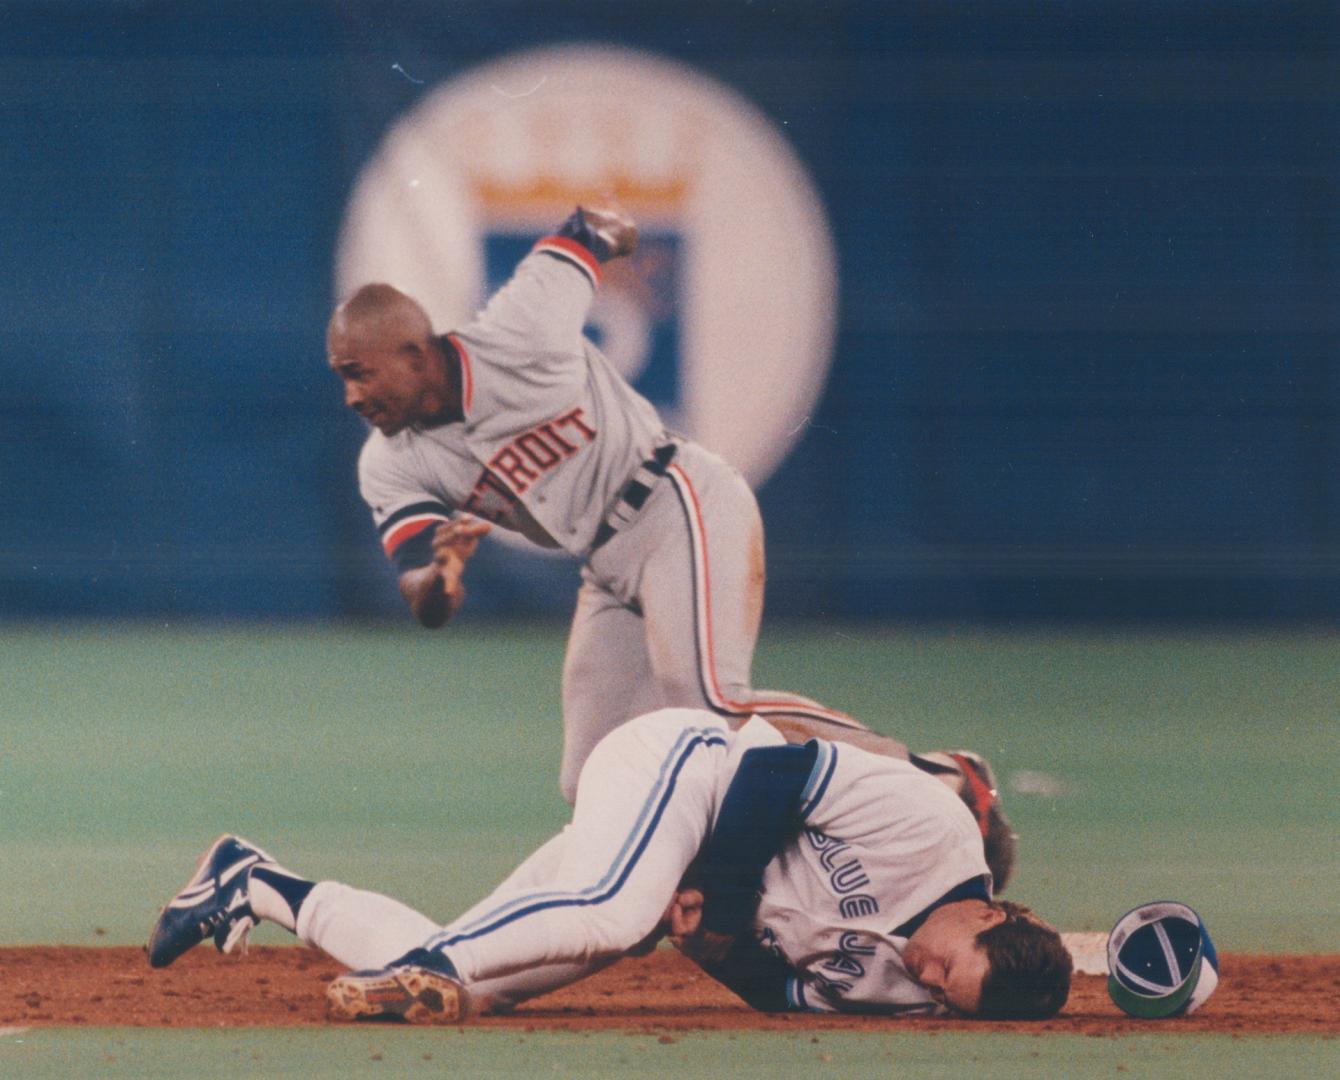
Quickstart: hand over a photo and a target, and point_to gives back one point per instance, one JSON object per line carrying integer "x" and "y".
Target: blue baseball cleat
{"x": 422, "y": 987}
{"x": 213, "y": 903}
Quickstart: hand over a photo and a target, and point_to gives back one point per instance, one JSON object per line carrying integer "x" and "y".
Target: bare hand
{"x": 453, "y": 544}
{"x": 685, "y": 913}
{"x": 684, "y": 916}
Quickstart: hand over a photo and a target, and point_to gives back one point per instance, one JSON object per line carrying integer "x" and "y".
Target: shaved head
{"x": 395, "y": 371}
{"x": 379, "y": 314}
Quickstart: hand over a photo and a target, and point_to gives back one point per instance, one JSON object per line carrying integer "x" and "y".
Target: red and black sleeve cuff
{"x": 407, "y": 534}
{"x": 577, "y": 242}
{"x": 571, "y": 251}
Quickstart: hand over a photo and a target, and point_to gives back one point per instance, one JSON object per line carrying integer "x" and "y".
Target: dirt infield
{"x": 284, "y": 987}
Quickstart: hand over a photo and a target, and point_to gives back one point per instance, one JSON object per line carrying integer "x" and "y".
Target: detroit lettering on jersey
{"x": 516, "y": 466}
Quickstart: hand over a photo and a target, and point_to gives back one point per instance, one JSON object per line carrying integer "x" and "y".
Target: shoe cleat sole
{"x": 415, "y": 995}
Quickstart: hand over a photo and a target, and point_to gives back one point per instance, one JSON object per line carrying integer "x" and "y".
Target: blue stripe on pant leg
{"x": 603, "y": 890}
{"x": 625, "y": 860}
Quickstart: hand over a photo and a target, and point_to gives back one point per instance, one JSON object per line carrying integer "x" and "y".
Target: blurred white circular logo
{"x": 723, "y": 318}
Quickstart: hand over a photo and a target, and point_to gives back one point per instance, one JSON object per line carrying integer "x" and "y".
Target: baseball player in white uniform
{"x": 518, "y": 420}
{"x": 813, "y": 876}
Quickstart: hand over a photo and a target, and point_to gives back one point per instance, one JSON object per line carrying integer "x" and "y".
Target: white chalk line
{"x": 1088, "y": 950}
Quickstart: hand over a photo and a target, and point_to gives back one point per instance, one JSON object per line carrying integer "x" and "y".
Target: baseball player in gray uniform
{"x": 813, "y": 876}
{"x": 518, "y": 420}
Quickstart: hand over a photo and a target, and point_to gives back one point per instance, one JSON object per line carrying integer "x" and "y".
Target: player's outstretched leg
{"x": 701, "y": 593}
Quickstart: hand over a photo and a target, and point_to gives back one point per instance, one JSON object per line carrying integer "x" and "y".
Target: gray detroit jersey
{"x": 551, "y": 430}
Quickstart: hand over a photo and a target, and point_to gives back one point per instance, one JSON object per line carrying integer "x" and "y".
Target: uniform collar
{"x": 972, "y": 889}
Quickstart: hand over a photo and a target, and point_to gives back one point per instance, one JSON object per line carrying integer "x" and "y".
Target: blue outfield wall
{"x": 1087, "y": 311}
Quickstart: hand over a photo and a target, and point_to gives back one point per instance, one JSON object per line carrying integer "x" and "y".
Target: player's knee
{"x": 580, "y": 669}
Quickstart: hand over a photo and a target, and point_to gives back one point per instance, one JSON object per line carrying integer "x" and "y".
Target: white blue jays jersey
{"x": 880, "y": 843}
{"x": 551, "y": 430}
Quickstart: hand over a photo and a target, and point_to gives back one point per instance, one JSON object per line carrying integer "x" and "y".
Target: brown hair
{"x": 1030, "y": 967}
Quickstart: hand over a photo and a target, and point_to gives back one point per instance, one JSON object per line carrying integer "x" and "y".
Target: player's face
{"x": 944, "y": 956}
{"x": 386, "y": 383}
{"x": 953, "y": 975}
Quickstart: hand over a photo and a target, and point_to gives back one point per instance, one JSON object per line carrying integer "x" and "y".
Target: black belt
{"x": 635, "y": 492}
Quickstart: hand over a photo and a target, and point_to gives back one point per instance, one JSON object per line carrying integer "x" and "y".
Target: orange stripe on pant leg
{"x": 707, "y": 654}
